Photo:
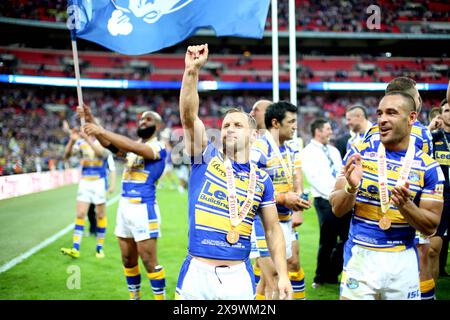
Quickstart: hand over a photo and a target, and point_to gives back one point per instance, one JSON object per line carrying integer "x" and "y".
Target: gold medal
{"x": 384, "y": 223}
{"x": 232, "y": 236}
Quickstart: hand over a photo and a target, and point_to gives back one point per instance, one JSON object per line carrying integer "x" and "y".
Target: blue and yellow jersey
{"x": 92, "y": 166}
{"x": 209, "y": 218}
{"x": 265, "y": 158}
{"x": 426, "y": 183}
{"x": 424, "y": 140}
{"x": 442, "y": 156}
{"x": 140, "y": 175}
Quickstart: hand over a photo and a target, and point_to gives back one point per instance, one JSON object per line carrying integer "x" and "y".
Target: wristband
{"x": 112, "y": 148}
{"x": 350, "y": 190}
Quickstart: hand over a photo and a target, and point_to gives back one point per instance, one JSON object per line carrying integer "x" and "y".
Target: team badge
{"x": 352, "y": 283}
{"x": 414, "y": 177}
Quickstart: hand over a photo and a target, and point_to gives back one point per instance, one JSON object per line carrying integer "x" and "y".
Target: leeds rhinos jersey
{"x": 442, "y": 156}
{"x": 140, "y": 175}
{"x": 426, "y": 183}
{"x": 265, "y": 158}
{"x": 424, "y": 140}
{"x": 209, "y": 218}
{"x": 92, "y": 167}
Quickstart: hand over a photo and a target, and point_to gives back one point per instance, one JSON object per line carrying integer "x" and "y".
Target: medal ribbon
{"x": 382, "y": 172}
{"x": 276, "y": 150}
{"x": 235, "y": 216}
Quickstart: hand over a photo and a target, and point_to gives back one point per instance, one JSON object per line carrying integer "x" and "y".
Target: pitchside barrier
{"x": 21, "y": 184}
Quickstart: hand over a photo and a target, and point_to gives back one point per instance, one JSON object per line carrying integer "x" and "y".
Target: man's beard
{"x": 146, "y": 132}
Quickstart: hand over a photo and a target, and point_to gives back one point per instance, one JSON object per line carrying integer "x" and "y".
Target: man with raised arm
{"x": 138, "y": 217}
{"x": 225, "y": 193}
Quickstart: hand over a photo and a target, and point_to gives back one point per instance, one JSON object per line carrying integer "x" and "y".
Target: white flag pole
{"x": 292, "y": 53}
{"x": 275, "y": 76}
{"x": 76, "y": 66}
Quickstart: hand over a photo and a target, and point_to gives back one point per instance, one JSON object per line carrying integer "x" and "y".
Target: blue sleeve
{"x": 205, "y": 157}
{"x": 349, "y": 153}
{"x": 268, "y": 196}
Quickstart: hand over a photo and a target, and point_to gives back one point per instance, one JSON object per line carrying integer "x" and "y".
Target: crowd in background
{"x": 323, "y": 15}
{"x": 33, "y": 136}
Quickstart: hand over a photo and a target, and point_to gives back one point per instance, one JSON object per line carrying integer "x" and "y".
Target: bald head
{"x": 152, "y": 114}
{"x": 258, "y": 111}
{"x": 356, "y": 118}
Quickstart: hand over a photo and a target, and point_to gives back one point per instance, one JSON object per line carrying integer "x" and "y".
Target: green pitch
{"x": 48, "y": 275}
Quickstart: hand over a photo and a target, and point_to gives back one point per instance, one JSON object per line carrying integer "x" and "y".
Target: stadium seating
{"x": 323, "y": 15}
{"x": 169, "y": 67}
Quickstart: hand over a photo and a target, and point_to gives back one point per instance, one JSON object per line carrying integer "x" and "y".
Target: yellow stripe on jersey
{"x": 416, "y": 130}
{"x": 134, "y": 200}
{"x": 220, "y": 222}
{"x": 390, "y": 249}
{"x": 261, "y": 244}
{"x": 91, "y": 163}
{"x": 285, "y": 217}
{"x": 131, "y": 175}
{"x": 90, "y": 178}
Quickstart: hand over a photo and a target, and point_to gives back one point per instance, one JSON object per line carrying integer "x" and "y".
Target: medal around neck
{"x": 236, "y": 215}
{"x": 385, "y": 201}
{"x": 384, "y": 223}
{"x": 232, "y": 236}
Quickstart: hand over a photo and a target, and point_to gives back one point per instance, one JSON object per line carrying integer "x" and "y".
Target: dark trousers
{"x": 333, "y": 234}
{"x": 443, "y": 255}
{"x": 92, "y": 219}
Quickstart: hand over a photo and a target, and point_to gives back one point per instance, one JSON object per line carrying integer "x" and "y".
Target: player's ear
{"x": 412, "y": 117}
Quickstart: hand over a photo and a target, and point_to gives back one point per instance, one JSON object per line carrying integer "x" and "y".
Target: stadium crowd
{"x": 324, "y": 15}
{"x": 32, "y": 120}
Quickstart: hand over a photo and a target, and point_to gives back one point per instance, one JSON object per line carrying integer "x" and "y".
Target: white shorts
{"x": 199, "y": 280}
{"x": 182, "y": 172}
{"x": 92, "y": 191}
{"x": 140, "y": 221}
{"x": 370, "y": 274}
{"x": 286, "y": 227}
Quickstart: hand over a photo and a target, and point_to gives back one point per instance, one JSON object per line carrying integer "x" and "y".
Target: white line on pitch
{"x": 46, "y": 242}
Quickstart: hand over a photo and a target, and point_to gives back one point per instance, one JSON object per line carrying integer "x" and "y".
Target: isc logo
{"x": 413, "y": 294}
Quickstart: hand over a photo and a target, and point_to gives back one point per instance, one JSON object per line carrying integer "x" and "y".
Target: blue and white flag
{"x": 144, "y": 26}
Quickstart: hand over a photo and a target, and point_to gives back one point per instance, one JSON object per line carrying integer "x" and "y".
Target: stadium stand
{"x": 243, "y": 68}
{"x": 419, "y": 16}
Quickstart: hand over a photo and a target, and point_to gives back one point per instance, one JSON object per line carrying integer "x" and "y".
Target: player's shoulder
{"x": 261, "y": 175}
{"x": 160, "y": 145}
{"x": 427, "y": 161}
{"x": 261, "y": 144}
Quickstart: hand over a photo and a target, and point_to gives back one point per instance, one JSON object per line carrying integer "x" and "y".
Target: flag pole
{"x": 292, "y": 53}
{"x": 275, "y": 77}
{"x": 76, "y": 66}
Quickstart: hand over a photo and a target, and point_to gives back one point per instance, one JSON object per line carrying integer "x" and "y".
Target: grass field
{"x": 46, "y": 275}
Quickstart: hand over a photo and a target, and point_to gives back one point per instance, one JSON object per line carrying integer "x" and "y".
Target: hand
{"x": 297, "y": 219}
{"x": 93, "y": 129}
{"x": 285, "y": 288}
{"x": 353, "y": 170}
{"x": 292, "y": 201}
{"x": 85, "y": 111}
{"x": 66, "y": 127}
{"x": 196, "y": 56}
{"x": 111, "y": 189}
{"x": 74, "y": 135}
{"x": 400, "y": 195}
{"x": 305, "y": 204}
{"x": 436, "y": 123}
